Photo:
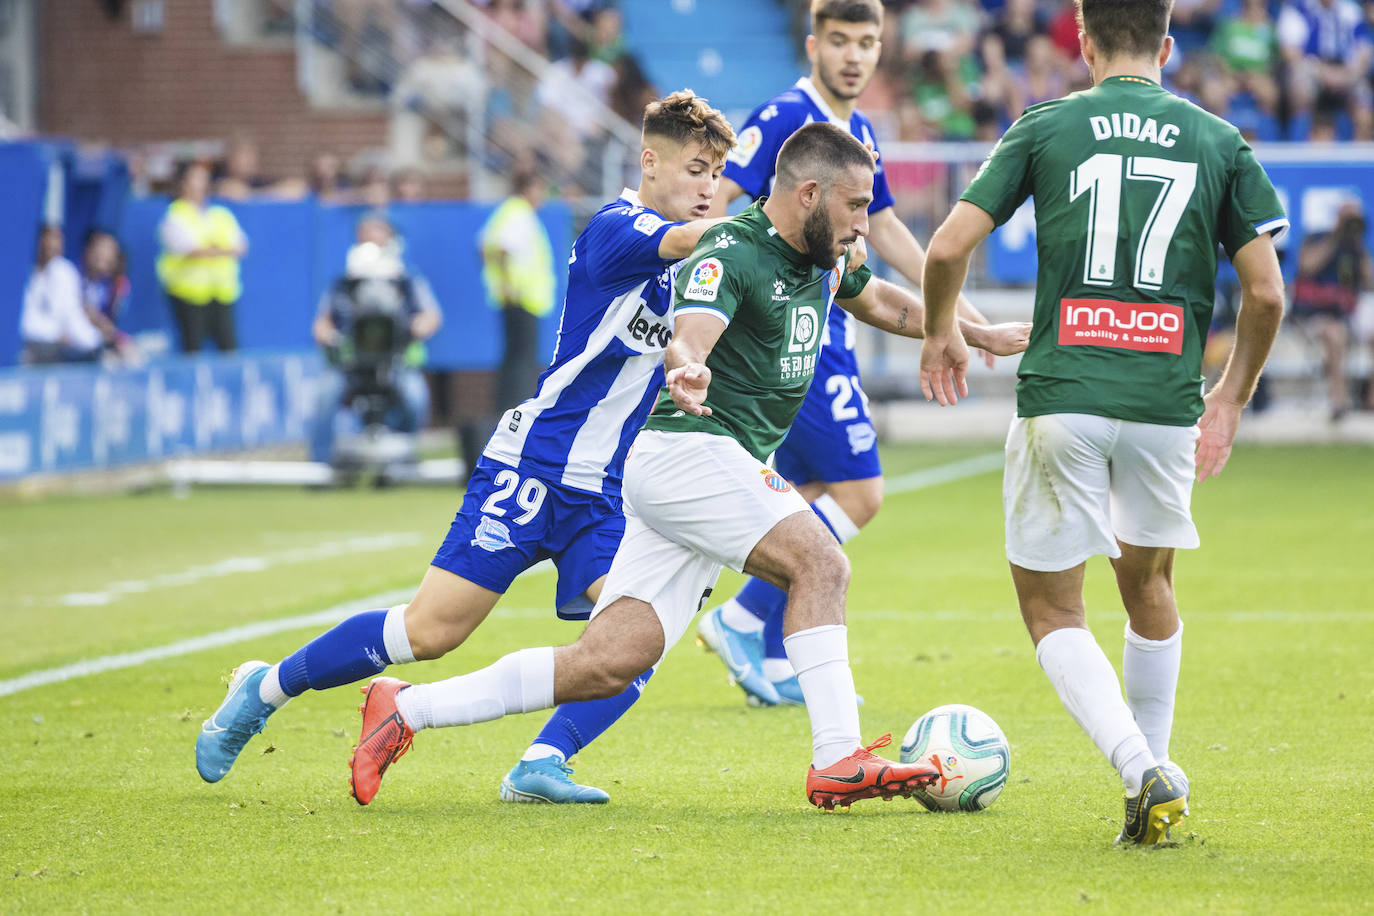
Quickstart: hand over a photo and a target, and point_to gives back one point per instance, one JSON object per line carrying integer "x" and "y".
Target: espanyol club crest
{"x": 774, "y": 481}
{"x": 834, "y": 280}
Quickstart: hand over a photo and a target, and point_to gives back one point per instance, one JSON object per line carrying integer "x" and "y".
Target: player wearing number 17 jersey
{"x": 548, "y": 483}
{"x": 1134, "y": 189}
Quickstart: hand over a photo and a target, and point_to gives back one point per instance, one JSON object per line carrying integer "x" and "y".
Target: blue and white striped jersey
{"x": 752, "y": 162}
{"x": 608, "y": 364}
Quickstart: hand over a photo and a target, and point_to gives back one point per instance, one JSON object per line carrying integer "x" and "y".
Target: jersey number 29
{"x": 1100, "y": 177}
{"x": 529, "y": 496}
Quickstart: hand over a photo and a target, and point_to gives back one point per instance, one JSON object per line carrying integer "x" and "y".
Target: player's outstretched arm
{"x": 889, "y": 307}
{"x": 944, "y": 358}
{"x": 895, "y": 244}
{"x": 1261, "y": 310}
{"x": 684, "y": 362}
{"x": 681, "y": 240}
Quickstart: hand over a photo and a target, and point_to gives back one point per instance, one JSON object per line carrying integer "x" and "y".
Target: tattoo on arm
{"x": 901, "y": 319}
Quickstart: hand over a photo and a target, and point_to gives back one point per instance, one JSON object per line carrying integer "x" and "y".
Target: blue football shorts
{"x": 510, "y": 521}
{"x": 833, "y": 439}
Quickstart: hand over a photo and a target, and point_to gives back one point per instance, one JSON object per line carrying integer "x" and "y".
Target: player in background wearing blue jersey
{"x": 831, "y": 454}
{"x": 548, "y": 483}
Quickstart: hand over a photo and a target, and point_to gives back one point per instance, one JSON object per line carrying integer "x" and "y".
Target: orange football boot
{"x": 865, "y": 775}
{"x": 385, "y": 738}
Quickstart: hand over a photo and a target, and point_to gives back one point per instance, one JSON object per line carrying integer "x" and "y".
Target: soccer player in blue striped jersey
{"x": 831, "y": 453}
{"x": 547, "y": 486}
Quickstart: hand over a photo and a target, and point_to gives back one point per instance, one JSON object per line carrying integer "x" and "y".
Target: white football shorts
{"x": 1075, "y": 484}
{"x": 694, "y": 502}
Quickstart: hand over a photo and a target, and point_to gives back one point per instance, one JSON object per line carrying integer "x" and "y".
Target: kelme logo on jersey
{"x": 704, "y": 283}
{"x": 492, "y": 535}
{"x": 1154, "y": 327}
{"x": 774, "y": 481}
{"x": 806, "y": 326}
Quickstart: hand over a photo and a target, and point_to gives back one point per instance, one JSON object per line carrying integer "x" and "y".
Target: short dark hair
{"x": 1133, "y": 28}
{"x": 845, "y": 11}
{"x": 685, "y": 117}
{"x": 819, "y": 150}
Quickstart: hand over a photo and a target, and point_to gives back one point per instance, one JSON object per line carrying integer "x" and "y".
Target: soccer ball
{"x": 970, "y": 752}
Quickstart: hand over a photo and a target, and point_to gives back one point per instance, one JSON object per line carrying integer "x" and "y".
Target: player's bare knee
{"x": 826, "y": 568}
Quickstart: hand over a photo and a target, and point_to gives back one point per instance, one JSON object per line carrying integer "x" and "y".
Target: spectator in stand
{"x": 939, "y": 25}
{"x": 202, "y": 245}
{"x": 571, "y": 97}
{"x": 944, "y": 85}
{"x": 105, "y": 288}
{"x": 438, "y": 96}
{"x": 325, "y": 177}
{"x": 1247, "y": 49}
{"x": 239, "y": 177}
{"x": 632, "y": 91}
{"x": 1333, "y": 267}
{"x": 52, "y": 322}
{"x": 408, "y": 184}
{"x": 1006, "y": 41}
{"x": 516, "y": 17}
{"x": 606, "y": 40}
{"x": 1325, "y": 45}
{"x": 1191, "y": 24}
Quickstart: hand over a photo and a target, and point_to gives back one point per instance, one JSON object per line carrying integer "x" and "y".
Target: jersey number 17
{"x": 1100, "y": 177}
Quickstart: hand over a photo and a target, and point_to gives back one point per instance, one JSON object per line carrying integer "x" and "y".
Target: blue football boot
{"x": 790, "y": 692}
{"x": 742, "y": 654}
{"x": 241, "y": 716}
{"x": 546, "y": 781}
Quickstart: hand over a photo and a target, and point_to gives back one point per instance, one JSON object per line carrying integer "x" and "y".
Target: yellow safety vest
{"x": 528, "y": 273}
{"x": 202, "y": 280}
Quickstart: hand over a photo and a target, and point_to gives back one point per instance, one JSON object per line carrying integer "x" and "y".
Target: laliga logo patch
{"x": 492, "y": 535}
{"x": 704, "y": 283}
{"x": 774, "y": 481}
{"x": 805, "y": 329}
{"x": 647, "y": 223}
{"x": 746, "y": 145}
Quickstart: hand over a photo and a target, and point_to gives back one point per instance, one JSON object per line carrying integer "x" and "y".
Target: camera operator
{"x": 1333, "y": 267}
{"x": 375, "y": 282}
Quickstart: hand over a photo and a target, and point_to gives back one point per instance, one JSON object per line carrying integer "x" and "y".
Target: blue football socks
{"x": 353, "y": 650}
{"x": 573, "y": 726}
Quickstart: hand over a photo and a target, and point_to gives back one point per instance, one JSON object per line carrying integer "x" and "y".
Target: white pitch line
{"x": 944, "y": 473}
{"x": 905, "y": 483}
{"x": 233, "y": 565}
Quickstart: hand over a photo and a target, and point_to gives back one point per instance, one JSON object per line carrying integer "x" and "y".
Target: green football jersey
{"x": 1134, "y": 188}
{"x": 774, "y": 303}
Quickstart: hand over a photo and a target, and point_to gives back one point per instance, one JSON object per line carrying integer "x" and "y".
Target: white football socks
{"x": 735, "y": 616}
{"x": 1088, "y": 687}
{"x": 395, "y": 638}
{"x": 778, "y": 669}
{"x": 269, "y": 688}
{"x": 540, "y": 751}
{"x": 820, "y": 656}
{"x": 839, "y": 521}
{"x": 1149, "y": 672}
{"x": 519, "y": 682}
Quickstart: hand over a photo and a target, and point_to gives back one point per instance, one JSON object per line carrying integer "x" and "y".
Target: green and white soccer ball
{"x": 968, "y": 749}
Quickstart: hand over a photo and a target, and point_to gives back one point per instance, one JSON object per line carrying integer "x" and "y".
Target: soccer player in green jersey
{"x": 1134, "y": 189}
{"x": 749, "y": 309}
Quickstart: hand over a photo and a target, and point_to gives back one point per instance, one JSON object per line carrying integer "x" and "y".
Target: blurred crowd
{"x": 1277, "y": 69}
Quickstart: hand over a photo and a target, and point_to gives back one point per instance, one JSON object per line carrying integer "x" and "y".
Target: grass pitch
{"x": 101, "y": 809}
